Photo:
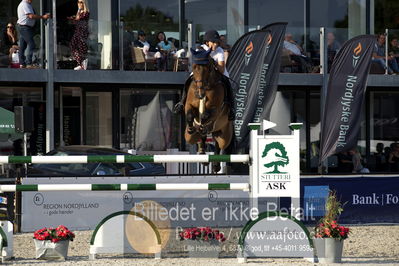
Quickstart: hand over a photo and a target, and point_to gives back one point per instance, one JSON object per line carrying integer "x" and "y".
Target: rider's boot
{"x": 179, "y": 106}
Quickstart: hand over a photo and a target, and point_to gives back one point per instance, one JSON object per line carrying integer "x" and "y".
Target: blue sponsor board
{"x": 314, "y": 200}
{"x": 366, "y": 199}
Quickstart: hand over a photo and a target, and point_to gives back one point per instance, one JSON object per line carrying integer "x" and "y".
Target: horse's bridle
{"x": 205, "y": 84}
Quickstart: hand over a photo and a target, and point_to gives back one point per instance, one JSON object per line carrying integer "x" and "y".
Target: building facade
{"x": 121, "y": 103}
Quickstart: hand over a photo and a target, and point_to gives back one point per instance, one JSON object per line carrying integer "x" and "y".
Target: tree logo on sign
{"x": 275, "y": 155}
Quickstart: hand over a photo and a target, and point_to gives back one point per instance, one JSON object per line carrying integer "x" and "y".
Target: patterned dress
{"x": 79, "y": 39}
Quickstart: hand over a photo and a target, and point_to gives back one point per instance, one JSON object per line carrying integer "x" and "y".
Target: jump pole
{"x": 190, "y": 158}
{"x": 125, "y": 187}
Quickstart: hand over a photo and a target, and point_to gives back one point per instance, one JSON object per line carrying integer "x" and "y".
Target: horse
{"x": 205, "y": 108}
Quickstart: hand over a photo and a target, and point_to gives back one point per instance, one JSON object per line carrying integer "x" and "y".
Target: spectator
{"x": 394, "y": 49}
{"x": 380, "y": 159}
{"x": 128, "y": 39}
{"x": 9, "y": 46}
{"x": 296, "y": 54}
{"x": 332, "y": 48}
{"x": 345, "y": 164}
{"x": 393, "y": 159}
{"x": 26, "y": 22}
{"x": 379, "y": 56}
{"x": 357, "y": 162}
{"x": 149, "y": 50}
{"x": 166, "y": 48}
{"x": 79, "y": 46}
{"x": 387, "y": 151}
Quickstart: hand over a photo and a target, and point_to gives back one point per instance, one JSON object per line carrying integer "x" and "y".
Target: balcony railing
{"x": 97, "y": 48}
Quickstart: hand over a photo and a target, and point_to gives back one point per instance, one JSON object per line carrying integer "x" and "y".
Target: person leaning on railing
{"x": 26, "y": 22}
{"x": 379, "y": 56}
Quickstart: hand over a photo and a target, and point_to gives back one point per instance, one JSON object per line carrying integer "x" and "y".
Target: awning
{"x": 7, "y": 124}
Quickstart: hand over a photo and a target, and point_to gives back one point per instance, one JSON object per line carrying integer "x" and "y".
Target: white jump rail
{"x": 125, "y": 187}
{"x": 192, "y": 158}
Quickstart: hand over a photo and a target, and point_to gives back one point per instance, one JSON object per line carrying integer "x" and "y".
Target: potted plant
{"x": 329, "y": 235}
{"x": 52, "y": 243}
{"x": 203, "y": 241}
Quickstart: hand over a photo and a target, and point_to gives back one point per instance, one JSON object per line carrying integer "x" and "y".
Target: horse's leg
{"x": 216, "y": 165}
{"x": 190, "y": 121}
{"x": 223, "y": 139}
{"x": 202, "y": 145}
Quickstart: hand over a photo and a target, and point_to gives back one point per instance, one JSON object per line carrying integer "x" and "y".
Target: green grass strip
{"x": 19, "y": 159}
{"x": 141, "y": 187}
{"x": 219, "y": 186}
{"x": 295, "y": 127}
{"x": 27, "y": 188}
{"x": 219, "y": 158}
{"x": 254, "y": 127}
{"x": 101, "y": 158}
{"x": 139, "y": 158}
{"x": 105, "y": 187}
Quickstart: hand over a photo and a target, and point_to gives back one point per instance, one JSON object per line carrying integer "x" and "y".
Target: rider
{"x": 212, "y": 42}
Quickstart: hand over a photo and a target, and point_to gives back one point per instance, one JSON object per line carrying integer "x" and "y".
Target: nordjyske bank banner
{"x": 368, "y": 199}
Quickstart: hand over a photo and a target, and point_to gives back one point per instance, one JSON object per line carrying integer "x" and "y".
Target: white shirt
{"x": 218, "y": 56}
{"x": 24, "y": 8}
{"x": 145, "y": 43}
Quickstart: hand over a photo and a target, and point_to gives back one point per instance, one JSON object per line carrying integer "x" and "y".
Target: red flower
{"x": 54, "y": 234}
{"x": 201, "y": 233}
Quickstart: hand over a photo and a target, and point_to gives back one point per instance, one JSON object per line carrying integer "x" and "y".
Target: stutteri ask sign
{"x": 276, "y": 165}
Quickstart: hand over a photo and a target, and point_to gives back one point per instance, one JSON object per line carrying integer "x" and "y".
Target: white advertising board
{"x": 83, "y": 210}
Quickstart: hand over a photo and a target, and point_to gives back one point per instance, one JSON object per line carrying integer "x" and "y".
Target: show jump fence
{"x": 260, "y": 145}
{"x": 234, "y": 158}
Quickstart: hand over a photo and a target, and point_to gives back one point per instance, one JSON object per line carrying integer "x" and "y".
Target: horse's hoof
{"x": 215, "y": 168}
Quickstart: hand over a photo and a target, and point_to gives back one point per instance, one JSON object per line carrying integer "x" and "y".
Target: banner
{"x": 340, "y": 122}
{"x": 254, "y": 66}
{"x": 373, "y": 199}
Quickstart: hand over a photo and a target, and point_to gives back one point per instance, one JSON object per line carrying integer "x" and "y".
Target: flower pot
{"x": 329, "y": 250}
{"x": 203, "y": 249}
{"x": 47, "y": 250}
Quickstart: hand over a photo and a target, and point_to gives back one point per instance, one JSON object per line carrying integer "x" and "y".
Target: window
{"x": 384, "y": 128}
{"x": 227, "y": 17}
{"x": 262, "y": 13}
{"x": 147, "y": 120}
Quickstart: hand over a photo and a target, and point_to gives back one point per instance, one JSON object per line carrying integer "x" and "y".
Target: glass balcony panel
{"x": 86, "y": 42}
{"x": 150, "y": 17}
